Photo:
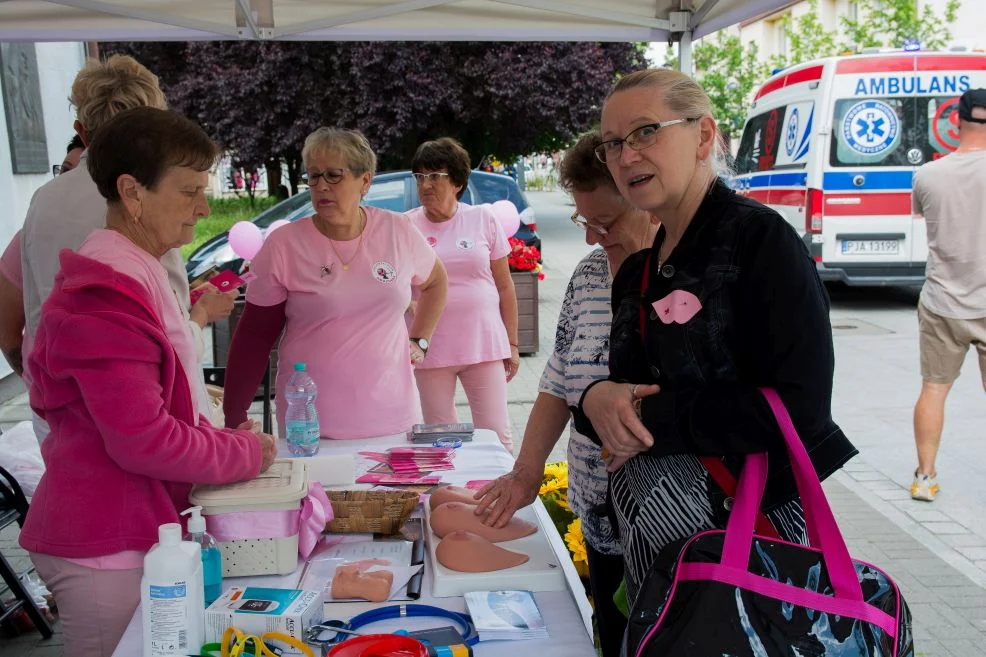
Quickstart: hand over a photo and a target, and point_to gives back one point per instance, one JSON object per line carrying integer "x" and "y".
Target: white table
{"x": 566, "y": 613}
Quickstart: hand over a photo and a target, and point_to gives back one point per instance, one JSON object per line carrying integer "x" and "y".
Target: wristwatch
{"x": 422, "y": 343}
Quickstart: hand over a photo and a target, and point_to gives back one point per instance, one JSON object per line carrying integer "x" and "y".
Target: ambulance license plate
{"x": 870, "y": 247}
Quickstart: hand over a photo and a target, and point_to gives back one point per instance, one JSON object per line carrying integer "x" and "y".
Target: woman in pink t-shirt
{"x": 337, "y": 283}
{"x": 476, "y": 339}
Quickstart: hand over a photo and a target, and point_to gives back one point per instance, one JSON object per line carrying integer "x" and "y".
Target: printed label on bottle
{"x": 169, "y": 622}
{"x": 301, "y": 432}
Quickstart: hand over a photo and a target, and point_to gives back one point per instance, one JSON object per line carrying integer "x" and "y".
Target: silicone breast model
{"x": 451, "y": 494}
{"x": 468, "y": 553}
{"x": 350, "y": 582}
{"x": 456, "y": 516}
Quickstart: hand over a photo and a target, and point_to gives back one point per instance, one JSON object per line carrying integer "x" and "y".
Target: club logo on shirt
{"x": 465, "y": 244}
{"x": 432, "y": 241}
{"x": 384, "y": 272}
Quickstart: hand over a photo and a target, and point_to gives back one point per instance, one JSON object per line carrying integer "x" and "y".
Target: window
{"x": 388, "y": 195}
{"x": 495, "y": 187}
{"x": 299, "y": 205}
{"x": 761, "y": 139}
{"x": 893, "y": 131}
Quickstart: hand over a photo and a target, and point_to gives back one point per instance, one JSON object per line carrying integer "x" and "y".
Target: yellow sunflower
{"x": 575, "y": 542}
{"x": 552, "y": 486}
{"x": 556, "y": 470}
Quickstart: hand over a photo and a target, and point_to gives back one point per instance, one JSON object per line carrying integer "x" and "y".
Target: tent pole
{"x": 685, "y": 53}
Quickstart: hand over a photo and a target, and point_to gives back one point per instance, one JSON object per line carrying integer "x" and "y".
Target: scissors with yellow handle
{"x": 237, "y": 644}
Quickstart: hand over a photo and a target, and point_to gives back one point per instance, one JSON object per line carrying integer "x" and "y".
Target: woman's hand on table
{"x": 512, "y": 364}
{"x": 612, "y": 409}
{"x": 268, "y": 444}
{"x": 268, "y": 450}
{"x": 512, "y": 491}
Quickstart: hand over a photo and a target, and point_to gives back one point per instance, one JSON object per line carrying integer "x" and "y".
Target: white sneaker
{"x": 925, "y": 487}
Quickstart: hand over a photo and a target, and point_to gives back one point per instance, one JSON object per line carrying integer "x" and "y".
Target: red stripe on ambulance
{"x": 809, "y": 74}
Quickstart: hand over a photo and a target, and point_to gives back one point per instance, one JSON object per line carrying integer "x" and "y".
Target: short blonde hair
{"x": 351, "y": 144}
{"x": 104, "y": 88}
{"x": 684, "y": 97}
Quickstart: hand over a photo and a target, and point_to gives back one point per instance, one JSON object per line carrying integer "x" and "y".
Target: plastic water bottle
{"x": 212, "y": 559}
{"x": 301, "y": 419}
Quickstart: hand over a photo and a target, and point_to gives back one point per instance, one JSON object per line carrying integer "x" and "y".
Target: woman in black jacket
{"x": 726, "y": 301}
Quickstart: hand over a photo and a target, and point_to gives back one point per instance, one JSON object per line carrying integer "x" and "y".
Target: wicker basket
{"x": 364, "y": 511}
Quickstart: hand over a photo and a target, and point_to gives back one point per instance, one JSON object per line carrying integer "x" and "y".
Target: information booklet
{"x": 505, "y": 615}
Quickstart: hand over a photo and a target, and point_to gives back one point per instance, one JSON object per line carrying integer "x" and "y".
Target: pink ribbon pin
{"x": 678, "y": 307}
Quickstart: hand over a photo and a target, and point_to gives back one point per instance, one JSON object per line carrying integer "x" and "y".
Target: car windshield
{"x": 893, "y": 131}
{"x": 494, "y": 187}
{"x": 299, "y": 205}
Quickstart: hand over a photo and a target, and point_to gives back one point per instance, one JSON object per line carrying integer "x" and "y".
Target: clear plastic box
{"x": 281, "y": 488}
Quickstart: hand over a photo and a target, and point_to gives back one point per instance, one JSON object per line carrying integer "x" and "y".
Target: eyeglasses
{"x": 57, "y": 169}
{"x": 331, "y": 176}
{"x": 585, "y": 224}
{"x": 643, "y": 137}
{"x": 432, "y": 177}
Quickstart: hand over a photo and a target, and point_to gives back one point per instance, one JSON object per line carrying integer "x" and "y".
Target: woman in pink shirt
{"x": 111, "y": 376}
{"x": 337, "y": 284}
{"x": 12, "y": 319}
{"x": 476, "y": 340}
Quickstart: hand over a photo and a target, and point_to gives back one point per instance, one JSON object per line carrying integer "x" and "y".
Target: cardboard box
{"x": 256, "y": 610}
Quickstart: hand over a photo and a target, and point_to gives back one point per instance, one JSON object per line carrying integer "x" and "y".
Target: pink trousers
{"x": 94, "y": 606}
{"x": 485, "y": 385}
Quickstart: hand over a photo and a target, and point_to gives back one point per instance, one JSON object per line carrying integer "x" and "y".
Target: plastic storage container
{"x": 281, "y": 488}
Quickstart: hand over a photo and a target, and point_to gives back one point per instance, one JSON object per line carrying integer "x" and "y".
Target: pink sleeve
{"x": 141, "y": 436}
{"x": 267, "y": 289}
{"x": 10, "y": 262}
{"x": 499, "y": 246}
{"x": 422, "y": 256}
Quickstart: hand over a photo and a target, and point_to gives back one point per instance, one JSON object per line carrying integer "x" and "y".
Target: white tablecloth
{"x": 566, "y": 613}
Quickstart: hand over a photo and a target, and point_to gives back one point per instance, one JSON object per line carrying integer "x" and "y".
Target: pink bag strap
{"x": 823, "y": 531}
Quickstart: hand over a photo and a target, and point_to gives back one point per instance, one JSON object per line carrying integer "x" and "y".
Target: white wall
{"x": 58, "y": 63}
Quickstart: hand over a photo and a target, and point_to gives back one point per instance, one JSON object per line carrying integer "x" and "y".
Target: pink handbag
{"x": 734, "y": 592}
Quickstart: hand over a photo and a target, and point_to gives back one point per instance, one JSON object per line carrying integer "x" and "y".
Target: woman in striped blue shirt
{"x": 580, "y": 356}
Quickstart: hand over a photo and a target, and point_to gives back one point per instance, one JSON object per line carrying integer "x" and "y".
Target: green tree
{"x": 889, "y": 23}
{"x": 728, "y": 71}
{"x": 808, "y": 39}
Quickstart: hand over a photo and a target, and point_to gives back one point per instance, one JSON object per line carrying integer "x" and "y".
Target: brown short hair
{"x": 444, "y": 153}
{"x": 144, "y": 142}
{"x": 101, "y": 89}
{"x": 581, "y": 170}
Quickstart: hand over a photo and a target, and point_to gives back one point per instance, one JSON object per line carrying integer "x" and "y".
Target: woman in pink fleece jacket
{"x": 111, "y": 372}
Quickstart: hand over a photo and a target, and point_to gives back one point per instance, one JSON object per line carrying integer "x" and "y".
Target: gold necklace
{"x": 345, "y": 265}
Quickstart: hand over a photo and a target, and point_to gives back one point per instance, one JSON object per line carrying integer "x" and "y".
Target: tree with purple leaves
{"x": 260, "y": 100}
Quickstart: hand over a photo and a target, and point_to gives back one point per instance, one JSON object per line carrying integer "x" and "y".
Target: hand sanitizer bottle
{"x": 171, "y": 596}
{"x": 212, "y": 558}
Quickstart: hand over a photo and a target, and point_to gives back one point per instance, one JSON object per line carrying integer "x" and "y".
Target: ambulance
{"x": 833, "y": 144}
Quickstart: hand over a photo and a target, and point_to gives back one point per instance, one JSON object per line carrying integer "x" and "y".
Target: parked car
{"x": 395, "y": 191}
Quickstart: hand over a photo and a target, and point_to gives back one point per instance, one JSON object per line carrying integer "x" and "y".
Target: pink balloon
{"x": 275, "y": 225}
{"x": 506, "y": 213}
{"x": 245, "y": 239}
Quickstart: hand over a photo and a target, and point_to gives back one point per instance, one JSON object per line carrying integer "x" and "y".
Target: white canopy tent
{"x": 376, "y": 20}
